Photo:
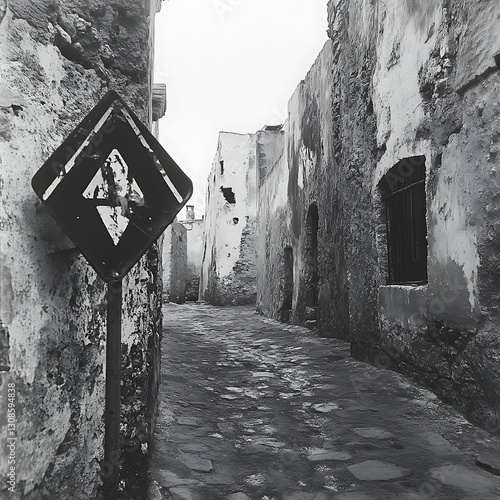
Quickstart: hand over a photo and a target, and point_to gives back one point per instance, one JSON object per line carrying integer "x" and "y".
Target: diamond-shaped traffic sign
{"x": 112, "y": 187}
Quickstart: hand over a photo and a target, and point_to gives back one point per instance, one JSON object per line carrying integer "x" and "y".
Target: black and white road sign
{"x": 112, "y": 187}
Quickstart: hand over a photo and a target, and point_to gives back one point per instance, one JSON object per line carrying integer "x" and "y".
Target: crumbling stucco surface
{"x": 228, "y": 270}
{"x": 57, "y": 60}
{"x": 396, "y": 80}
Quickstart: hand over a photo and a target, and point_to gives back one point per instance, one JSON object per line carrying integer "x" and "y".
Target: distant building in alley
{"x": 194, "y": 253}
{"x": 228, "y": 270}
{"x": 181, "y": 258}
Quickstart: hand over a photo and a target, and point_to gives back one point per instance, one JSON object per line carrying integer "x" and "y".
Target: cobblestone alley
{"x": 254, "y": 409}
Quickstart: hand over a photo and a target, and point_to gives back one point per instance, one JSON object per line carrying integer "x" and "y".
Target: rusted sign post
{"x": 113, "y": 189}
{"x": 111, "y": 466}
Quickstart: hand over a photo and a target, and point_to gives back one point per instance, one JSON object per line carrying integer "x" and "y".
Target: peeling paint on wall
{"x": 57, "y": 60}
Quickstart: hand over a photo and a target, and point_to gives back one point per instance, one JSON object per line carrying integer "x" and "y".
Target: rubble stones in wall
{"x": 238, "y": 287}
{"x": 224, "y": 292}
{"x": 192, "y": 287}
{"x": 106, "y": 40}
{"x": 476, "y": 376}
{"x": 356, "y": 133}
{"x": 440, "y": 101}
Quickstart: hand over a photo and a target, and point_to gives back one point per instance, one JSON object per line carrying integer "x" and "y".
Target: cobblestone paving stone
{"x": 255, "y": 409}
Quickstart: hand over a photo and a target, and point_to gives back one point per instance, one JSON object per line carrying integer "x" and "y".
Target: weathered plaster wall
{"x": 175, "y": 263}
{"x": 57, "y": 60}
{"x": 273, "y": 225}
{"x": 431, "y": 331}
{"x": 304, "y": 175}
{"x": 228, "y": 270}
{"x": 397, "y": 80}
{"x": 428, "y": 100}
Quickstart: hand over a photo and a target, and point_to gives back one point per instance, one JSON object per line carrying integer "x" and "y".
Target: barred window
{"x": 403, "y": 195}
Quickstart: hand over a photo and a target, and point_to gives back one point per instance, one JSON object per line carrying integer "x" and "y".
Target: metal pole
{"x": 111, "y": 466}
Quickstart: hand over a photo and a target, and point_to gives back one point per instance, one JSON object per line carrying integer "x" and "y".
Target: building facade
{"x": 228, "y": 269}
{"x": 378, "y": 220}
{"x": 57, "y": 59}
{"x": 182, "y": 256}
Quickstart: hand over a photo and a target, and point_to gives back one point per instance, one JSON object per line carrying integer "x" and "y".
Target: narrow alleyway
{"x": 255, "y": 409}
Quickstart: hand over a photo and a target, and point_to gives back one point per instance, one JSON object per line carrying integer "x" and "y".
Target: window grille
{"x": 403, "y": 194}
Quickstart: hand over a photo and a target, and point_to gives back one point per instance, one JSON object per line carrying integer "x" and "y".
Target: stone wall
{"x": 57, "y": 59}
{"x": 430, "y": 99}
{"x": 397, "y": 80}
{"x": 303, "y": 180}
{"x": 228, "y": 269}
{"x": 195, "y": 232}
{"x": 175, "y": 263}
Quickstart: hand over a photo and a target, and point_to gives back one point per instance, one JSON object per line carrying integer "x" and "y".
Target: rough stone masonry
{"x": 57, "y": 60}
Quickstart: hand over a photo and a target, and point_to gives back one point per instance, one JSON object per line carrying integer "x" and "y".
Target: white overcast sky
{"x": 229, "y": 65}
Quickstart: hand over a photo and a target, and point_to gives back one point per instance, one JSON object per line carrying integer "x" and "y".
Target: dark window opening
{"x": 228, "y": 194}
{"x": 403, "y": 195}
{"x": 497, "y": 60}
{"x": 180, "y": 238}
{"x": 311, "y": 257}
{"x": 236, "y": 220}
{"x": 287, "y": 285}
{"x": 221, "y": 163}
